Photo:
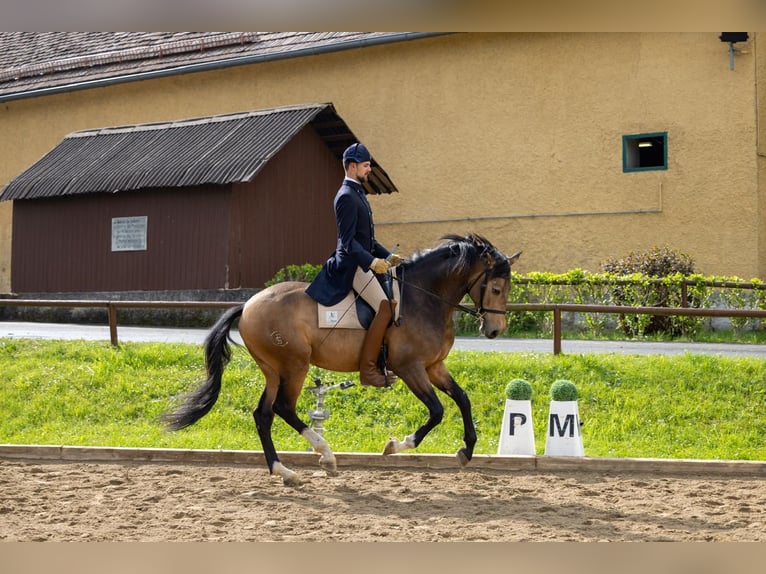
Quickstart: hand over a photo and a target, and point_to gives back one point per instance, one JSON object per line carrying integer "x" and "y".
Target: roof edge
{"x": 233, "y": 116}
{"x": 137, "y": 53}
{"x": 224, "y": 63}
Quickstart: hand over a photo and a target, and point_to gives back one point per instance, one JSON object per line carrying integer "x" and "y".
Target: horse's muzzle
{"x": 489, "y": 333}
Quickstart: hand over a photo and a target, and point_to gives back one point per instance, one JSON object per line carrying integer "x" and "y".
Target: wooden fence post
{"x": 113, "y": 323}
{"x": 556, "y": 330}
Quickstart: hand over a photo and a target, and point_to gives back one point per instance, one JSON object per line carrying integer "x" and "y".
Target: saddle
{"x": 353, "y": 312}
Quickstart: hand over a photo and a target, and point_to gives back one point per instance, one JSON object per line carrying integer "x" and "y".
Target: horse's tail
{"x": 217, "y": 355}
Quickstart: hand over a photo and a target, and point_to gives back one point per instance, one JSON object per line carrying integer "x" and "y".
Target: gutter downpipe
{"x": 220, "y": 64}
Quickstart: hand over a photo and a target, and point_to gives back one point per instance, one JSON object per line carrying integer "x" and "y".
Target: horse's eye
{"x": 496, "y": 290}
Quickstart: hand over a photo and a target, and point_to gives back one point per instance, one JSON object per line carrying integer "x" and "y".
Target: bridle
{"x": 481, "y": 310}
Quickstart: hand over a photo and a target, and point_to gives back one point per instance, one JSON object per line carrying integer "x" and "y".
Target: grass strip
{"x": 92, "y": 394}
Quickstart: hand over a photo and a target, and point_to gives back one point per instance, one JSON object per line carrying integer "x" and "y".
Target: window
{"x": 644, "y": 152}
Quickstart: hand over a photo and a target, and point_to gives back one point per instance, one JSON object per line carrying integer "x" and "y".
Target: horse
{"x": 279, "y": 327}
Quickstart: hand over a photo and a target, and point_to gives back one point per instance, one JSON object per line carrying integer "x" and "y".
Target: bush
{"x": 518, "y": 390}
{"x": 657, "y": 262}
{"x": 305, "y": 272}
{"x": 563, "y": 390}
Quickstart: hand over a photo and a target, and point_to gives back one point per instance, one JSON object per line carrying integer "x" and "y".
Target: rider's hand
{"x": 394, "y": 259}
{"x": 379, "y": 265}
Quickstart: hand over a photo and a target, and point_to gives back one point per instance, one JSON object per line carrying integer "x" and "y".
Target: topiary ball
{"x": 518, "y": 390}
{"x": 563, "y": 390}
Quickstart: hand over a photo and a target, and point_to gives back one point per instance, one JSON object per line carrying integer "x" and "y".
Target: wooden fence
{"x": 112, "y": 306}
{"x": 555, "y": 308}
{"x": 558, "y": 308}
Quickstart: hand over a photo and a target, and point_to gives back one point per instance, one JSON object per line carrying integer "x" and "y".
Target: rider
{"x": 356, "y": 260}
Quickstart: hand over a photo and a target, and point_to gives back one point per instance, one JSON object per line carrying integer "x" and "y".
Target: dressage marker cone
{"x": 564, "y": 437}
{"x": 517, "y": 435}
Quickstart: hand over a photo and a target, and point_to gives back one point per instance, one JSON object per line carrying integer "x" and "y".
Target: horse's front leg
{"x": 442, "y": 379}
{"x": 419, "y": 383}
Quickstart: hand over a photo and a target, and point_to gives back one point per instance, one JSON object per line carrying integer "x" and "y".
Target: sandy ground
{"x": 160, "y": 502}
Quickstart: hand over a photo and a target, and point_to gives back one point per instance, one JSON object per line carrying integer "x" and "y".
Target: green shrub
{"x": 305, "y": 272}
{"x": 518, "y": 390}
{"x": 563, "y": 390}
{"x": 654, "y": 262}
{"x": 657, "y": 262}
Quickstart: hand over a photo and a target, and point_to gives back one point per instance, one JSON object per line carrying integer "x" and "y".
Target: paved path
{"x": 197, "y": 336}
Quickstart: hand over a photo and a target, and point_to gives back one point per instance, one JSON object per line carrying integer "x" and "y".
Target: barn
{"x": 217, "y": 202}
{"x": 573, "y": 147}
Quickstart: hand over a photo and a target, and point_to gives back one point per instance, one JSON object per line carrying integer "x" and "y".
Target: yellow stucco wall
{"x": 515, "y": 136}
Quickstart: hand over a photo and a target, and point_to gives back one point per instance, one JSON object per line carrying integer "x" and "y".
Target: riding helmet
{"x": 356, "y": 153}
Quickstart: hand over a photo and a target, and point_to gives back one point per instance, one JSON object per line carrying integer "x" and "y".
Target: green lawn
{"x": 90, "y": 393}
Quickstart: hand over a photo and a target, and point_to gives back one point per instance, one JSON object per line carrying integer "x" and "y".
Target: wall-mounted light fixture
{"x": 732, "y": 38}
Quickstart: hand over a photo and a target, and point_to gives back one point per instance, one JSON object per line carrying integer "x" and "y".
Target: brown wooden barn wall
{"x": 285, "y": 216}
{"x": 198, "y": 238}
{"x": 64, "y": 244}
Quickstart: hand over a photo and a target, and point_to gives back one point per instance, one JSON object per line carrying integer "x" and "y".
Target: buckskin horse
{"x": 279, "y": 326}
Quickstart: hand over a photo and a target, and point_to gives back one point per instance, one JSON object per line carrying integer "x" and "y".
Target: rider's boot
{"x": 369, "y": 373}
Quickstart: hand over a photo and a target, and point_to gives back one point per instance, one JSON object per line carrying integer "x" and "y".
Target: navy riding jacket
{"x": 356, "y": 245}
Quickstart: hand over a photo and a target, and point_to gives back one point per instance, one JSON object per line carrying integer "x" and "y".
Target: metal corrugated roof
{"x": 212, "y": 150}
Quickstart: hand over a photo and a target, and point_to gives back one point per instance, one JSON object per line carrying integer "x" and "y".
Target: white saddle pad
{"x": 341, "y": 315}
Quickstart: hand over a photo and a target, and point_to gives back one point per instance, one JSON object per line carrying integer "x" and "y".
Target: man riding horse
{"x": 357, "y": 263}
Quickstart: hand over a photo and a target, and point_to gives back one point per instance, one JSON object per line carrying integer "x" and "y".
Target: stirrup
{"x": 388, "y": 374}
{"x": 390, "y": 377}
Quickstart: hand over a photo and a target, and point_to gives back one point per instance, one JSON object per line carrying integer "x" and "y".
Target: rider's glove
{"x": 379, "y": 265}
{"x": 394, "y": 259}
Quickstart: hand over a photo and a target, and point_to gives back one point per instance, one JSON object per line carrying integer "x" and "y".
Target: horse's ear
{"x": 512, "y": 259}
{"x": 489, "y": 259}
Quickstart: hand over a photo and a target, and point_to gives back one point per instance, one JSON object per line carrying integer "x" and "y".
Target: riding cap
{"x": 356, "y": 153}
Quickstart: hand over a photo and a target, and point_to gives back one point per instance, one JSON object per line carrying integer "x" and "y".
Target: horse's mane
{"x": 462, "y": 252}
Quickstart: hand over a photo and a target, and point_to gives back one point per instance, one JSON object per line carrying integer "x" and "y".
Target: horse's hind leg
{"x": 284, "y": 406}
{"x": 264, "y": 417}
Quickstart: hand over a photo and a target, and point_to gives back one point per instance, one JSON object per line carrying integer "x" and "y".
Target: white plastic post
{"x": 564, "y": 437}
{"x": 517, "y": 435}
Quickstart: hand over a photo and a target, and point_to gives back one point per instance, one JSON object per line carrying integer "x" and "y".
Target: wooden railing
{"x": 558, "y": 308}
{"x": 555, "y": 308}
{"x": 112, "y": 306}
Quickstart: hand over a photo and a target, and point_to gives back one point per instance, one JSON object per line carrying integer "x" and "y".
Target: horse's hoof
{"x": 390, "y": 447}
{"x": 462, "y": 457}
{"x": 292, "y": 481}
{"x": 329, "y": 466}
{"x": 289, "y": 478}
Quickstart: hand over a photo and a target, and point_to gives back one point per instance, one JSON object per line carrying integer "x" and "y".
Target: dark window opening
{"x": 642, "y": 152}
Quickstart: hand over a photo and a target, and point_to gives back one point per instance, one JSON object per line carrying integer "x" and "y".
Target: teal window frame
{"x": 631, "y": 154}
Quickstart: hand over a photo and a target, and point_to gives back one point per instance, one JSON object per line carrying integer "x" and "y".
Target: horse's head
{"x": 459, "y": 266}
{"x": 489, "y": 282}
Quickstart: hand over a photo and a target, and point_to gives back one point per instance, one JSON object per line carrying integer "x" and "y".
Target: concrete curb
{"x": 416, "y": 462}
